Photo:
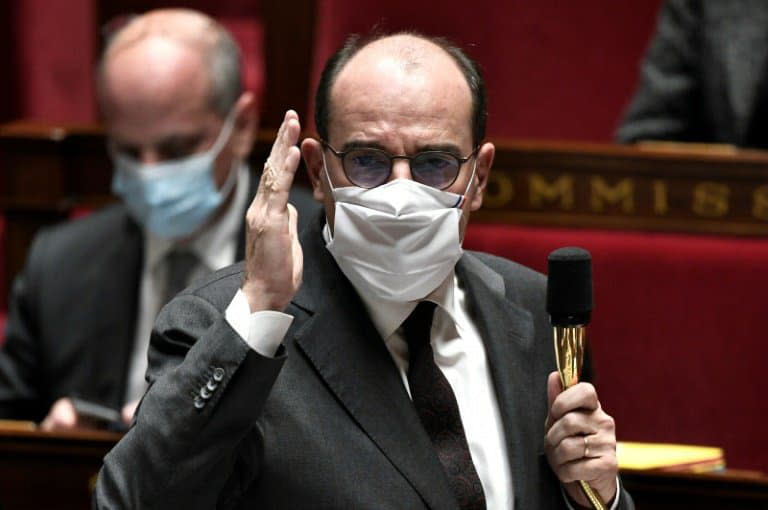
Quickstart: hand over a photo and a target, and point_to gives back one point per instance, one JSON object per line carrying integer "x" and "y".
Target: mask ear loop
{"x": 330, "y": 184}
{"x": 229, "y": 184}
{"x": 226, "y": 131}
{"x": 325, "y": 169}
{"x": 463, "y": 196}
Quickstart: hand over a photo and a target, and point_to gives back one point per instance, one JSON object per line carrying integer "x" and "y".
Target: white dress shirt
{"x": 215, "y": 248}
{"x": 459, "y": 352}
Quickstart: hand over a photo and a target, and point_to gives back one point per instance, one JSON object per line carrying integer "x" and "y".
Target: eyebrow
{"x": 368, "y": 144}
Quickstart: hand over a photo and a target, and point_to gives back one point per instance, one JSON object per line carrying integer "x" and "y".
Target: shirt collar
{"x": 387, "y": 316}
{"x": 213, "y": 245}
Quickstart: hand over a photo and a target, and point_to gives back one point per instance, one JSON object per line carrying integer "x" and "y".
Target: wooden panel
{"x": 684, "y": 188}
{"x": 57, "y": 470}
{"x": 730, "y": 490}
{"x": 50, "y": 470}
{"x": 290, "y": 41}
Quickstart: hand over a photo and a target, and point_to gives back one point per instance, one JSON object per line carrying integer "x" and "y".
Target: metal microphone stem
{"x": 569, "y": 350}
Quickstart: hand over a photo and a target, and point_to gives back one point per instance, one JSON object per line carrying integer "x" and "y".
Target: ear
{"x": 246, "y": 123}
{"x": 484, "y": 161}
{"x": 312, "y": 152}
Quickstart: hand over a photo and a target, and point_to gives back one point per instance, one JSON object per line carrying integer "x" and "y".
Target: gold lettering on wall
{"x": 760, "y": 203}
{"x": 660, "y": 197}
{"x": 542, "y": 192}
{"x": 710, "y": 199}
{"x": 601, "y": 193}
{"x": 499, "y": 191}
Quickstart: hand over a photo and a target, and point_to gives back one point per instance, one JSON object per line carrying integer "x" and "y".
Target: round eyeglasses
{"x": 367, "y": 167}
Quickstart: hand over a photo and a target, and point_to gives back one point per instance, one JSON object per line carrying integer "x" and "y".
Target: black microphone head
{"x": 569, "y": 287}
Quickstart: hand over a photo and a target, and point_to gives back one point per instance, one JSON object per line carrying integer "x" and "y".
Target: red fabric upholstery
{"x": 552, "y": 69}
{"x": 675, "y": 332}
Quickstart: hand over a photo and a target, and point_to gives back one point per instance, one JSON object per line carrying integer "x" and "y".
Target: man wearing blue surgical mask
{"x": 369, "y": 362}
{"x": 179, "y": 128}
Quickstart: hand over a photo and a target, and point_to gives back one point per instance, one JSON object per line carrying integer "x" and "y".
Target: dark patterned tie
{"x": 436, "y": 405}
{"x": 180, "y": 264}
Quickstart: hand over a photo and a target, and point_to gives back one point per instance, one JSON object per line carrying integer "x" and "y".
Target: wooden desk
{"x": 56, "y": 470}
{"x": 730, "y": 490}
{"x": 50, "y": 470}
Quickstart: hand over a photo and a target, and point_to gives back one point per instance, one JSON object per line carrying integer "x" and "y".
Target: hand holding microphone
{"x": 580, "y": 439}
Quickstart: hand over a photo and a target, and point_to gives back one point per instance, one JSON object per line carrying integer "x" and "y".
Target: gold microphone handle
{"x": 569, "y": 350}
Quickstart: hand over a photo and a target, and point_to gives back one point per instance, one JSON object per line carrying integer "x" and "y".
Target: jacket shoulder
{"x": 96, "y": 228}
{"x": 510, "y": 270}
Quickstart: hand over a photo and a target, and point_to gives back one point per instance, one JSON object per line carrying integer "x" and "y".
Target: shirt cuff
{"x": 614, "y": 505}
{"x": 262, "y": 331}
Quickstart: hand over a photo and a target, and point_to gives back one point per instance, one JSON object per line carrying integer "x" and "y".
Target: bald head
{"x": 170, "y": 53}
{"x": 404, "y": 60}
{"x": 169, "y": 82}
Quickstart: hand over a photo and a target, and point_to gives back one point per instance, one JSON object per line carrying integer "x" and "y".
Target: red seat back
{"x": 675, "y": 332}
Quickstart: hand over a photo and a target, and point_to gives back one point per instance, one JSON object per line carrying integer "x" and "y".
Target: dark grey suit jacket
{"x": 72, "y": 312}
{"x": 705, "y": 76}
{"x": 327, "y": 423}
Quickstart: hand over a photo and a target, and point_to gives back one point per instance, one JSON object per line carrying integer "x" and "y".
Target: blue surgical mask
{"x": 173, "y": 199}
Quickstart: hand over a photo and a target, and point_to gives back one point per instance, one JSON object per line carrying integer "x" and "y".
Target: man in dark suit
{"x": 368, "y": 363}
{"x": 180, "y": 127}
{"x": 705, "y": 76}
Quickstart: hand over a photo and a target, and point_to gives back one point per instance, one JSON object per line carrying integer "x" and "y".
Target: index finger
{"x": 281, "y": 165}
{"x": 287, "y": 137}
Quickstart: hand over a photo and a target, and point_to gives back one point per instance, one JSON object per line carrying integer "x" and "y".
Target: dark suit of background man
{"x": 705, "y": 76}
{"x": 285, "y": 381}
{"x": 180, "y": 128}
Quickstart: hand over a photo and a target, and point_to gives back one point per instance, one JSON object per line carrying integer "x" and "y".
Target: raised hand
{"x": 580, "y": 441}
{"x": 273, "y": 256}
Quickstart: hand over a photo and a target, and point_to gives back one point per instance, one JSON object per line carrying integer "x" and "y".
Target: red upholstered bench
{"x": 675, "y": 333}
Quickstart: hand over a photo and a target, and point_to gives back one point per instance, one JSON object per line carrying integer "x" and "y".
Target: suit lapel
{"x": 508, "y": 334}
{"x": 344, "y": 347}
{"x": 114, "y": 309}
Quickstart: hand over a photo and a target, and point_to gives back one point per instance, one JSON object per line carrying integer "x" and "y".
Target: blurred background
{"x": 554, "y": 69}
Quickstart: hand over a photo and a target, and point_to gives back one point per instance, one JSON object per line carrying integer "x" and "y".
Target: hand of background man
{"x": 575, "y": 414}
{"x": 273, "y": 256}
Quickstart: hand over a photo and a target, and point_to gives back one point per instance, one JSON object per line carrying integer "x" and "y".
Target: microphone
{"x": 569, "y": 305}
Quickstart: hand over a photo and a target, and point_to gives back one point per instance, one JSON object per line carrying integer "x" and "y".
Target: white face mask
{"x": 397, "y": 241}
